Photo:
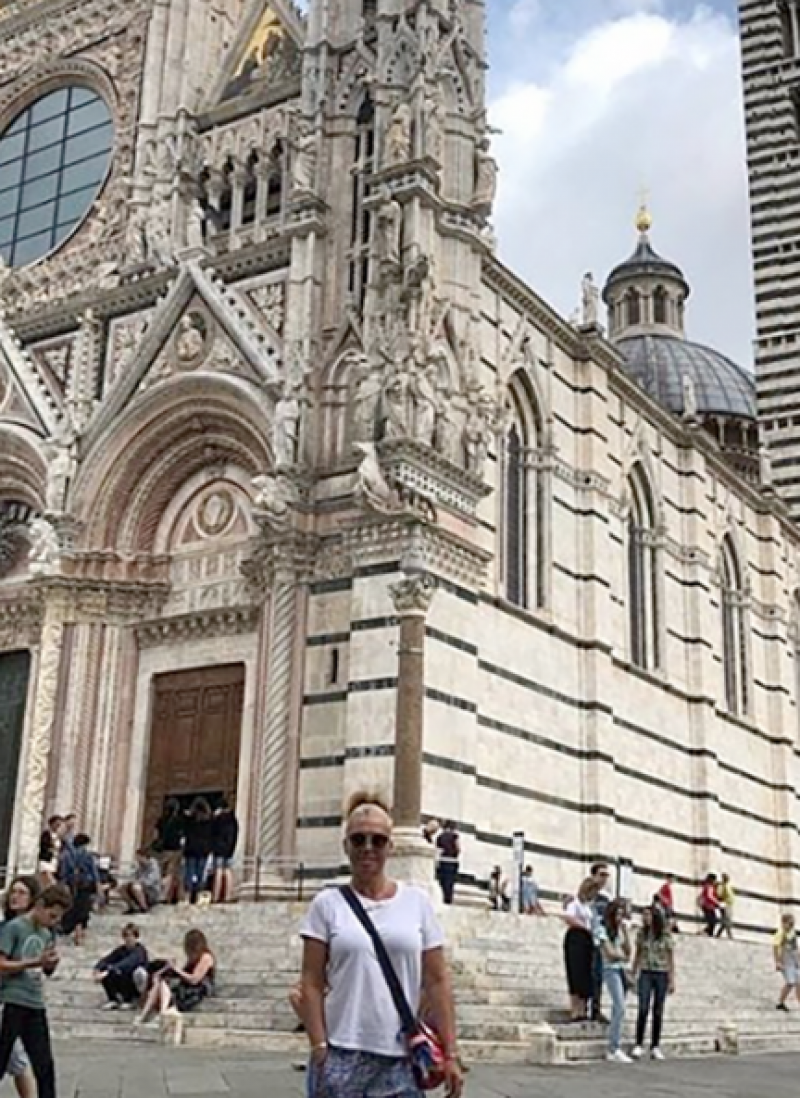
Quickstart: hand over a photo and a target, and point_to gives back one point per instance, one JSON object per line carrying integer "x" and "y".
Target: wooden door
{"x": 14, "y": 673}
{"x": 194, "y": 738}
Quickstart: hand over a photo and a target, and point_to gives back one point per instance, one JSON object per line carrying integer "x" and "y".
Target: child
{"x": 787, "y": 959}
{"x": 529, "y": 894}
{"x": 123, "y": 972}
{"x": 27, "y": 949}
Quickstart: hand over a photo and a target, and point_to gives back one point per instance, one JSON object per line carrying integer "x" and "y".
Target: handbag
{"x": 425, "y": 1047}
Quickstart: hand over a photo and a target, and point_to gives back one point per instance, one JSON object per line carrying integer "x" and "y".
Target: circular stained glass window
{"x": 53, "y": 159}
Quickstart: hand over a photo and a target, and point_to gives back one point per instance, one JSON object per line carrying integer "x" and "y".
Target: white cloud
{"x": 641, "y": 99}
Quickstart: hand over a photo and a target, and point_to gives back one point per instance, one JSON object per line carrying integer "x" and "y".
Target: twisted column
{"x": 275, "y": 754}
{"x": 40, "y": 740}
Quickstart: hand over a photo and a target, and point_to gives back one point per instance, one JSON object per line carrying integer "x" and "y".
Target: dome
{"x": 659, "y": 363}
{"x": 645, "y": 262}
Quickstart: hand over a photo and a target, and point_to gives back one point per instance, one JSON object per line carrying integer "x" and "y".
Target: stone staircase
{"x": 508, "y": 976}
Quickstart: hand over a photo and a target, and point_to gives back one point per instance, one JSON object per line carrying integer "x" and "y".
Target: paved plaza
{"x": 136, "y": 1071}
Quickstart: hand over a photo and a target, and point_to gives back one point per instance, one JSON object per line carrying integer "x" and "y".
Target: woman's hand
{"x": 453, "y": 1078}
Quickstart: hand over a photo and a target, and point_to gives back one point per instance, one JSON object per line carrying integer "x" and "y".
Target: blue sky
{"x": 600, "y": 99}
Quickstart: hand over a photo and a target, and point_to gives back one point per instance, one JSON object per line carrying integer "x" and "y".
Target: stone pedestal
{"x": 414, "y": 860}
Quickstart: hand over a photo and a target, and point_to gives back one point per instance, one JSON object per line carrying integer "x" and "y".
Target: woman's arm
{"x": 203, "y": 968}
{"x": 438, "y": 994}
{"x": 312, "y": 984}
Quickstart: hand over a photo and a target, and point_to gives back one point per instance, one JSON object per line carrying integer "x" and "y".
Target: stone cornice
{"x": 202, "y": 625}
{"x": 504, "y": 281}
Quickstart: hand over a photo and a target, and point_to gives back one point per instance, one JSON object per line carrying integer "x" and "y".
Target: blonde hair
{"x": 588, "y": 890}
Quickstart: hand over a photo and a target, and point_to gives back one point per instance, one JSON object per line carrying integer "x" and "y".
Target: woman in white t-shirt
{"x": 357, "y": 1047}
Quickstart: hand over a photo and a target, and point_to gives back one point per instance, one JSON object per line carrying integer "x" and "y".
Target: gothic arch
{"x": 524, "y": 519}
{"x": 134, "y": 471}
{"x": 643, "y": 566}
{"x": 336, "y": 401}
{"x": 23, "y": 468}
{"x": 734, "y": 626}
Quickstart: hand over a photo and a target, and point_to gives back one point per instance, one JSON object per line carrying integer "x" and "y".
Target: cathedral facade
{"x": 302, "y": 490}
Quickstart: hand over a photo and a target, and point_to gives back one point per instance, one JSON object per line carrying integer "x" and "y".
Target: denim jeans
{"x": 653, "y": 986}
{"x": 614, "y": 981}
{"x": 194, "y": 872}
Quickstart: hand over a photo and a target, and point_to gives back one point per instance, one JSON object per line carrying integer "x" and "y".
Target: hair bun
{"x": 364, "y": 799}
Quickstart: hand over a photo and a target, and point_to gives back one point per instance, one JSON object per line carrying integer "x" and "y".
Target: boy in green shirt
{"x": 27, "y": 954}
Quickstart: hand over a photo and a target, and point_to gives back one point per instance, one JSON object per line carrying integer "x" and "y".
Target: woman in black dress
{"x": 578, "y": 914}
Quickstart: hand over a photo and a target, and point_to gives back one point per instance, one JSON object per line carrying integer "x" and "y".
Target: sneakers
{"x": 637, "y": 1053}
{"x": 112, "y": 1004}
{"x": 783, "y": 1007}
{"x": 657, "y": 1054}
{"x": 618, "y": 1057}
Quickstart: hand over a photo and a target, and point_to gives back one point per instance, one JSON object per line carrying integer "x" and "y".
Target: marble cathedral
{"x": 275, "y": 417}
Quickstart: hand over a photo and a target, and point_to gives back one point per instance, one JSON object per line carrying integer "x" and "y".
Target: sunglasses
{"x": 361, "y": 841}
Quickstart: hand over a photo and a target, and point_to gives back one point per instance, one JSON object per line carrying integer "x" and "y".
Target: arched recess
{"x": 644, "y": 610}
{"x": 174, "y": 432}
{"x": 23, "y": 477}
{"x": 524, "y": 523}
{"x": 733, "y": 605}
{"x": 633, "y": 306}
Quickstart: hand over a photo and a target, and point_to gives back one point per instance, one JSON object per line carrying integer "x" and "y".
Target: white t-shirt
{"x": 359, "y": 1011}
{"x": 582, "y": 913}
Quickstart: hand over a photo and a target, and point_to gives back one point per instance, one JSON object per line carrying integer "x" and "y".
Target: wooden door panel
{"x": 195, "y": 737}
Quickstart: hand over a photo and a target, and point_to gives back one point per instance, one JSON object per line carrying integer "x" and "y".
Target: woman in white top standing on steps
{"x": 353, "y": 1026}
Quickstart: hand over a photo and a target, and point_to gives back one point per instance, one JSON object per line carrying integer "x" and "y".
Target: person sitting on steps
{"x": 175, "y": 990}
{"x": 144, "y": 891}
{"x": 123, "y": 972}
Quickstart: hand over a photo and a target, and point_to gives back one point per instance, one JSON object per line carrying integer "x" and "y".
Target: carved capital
{"x": 414, "y": 594}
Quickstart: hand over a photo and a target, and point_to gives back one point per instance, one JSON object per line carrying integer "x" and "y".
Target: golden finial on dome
{"x": 644, "y": 219}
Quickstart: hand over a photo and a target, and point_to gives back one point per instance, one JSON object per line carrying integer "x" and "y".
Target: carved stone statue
{"x": 275, "y": 497}
{"x": 396, "y": 406}
{"x": 590, "y": 300}
{"x": 433, "y": 111}
{"x": 157, "y": 236}
{"x": 135, "y": 236}
{"x": 372, "y": 488}
{"x": 195, "y": 225}
{"x": 765, "y": 470}
{"x": 304, "y": 164}
{"x": 690, "y": 405}
{"x": 389, "y": 229}
{"x": 62, "y": 465}
{"x": 398, "y": 137}
{"x": 45, "y": 551}
{"x": 478, "y": 434}
{"x": 286, "y": 429}
{"x": 366, "y": 400}
{"x": 425, "y": 397}
{"x": 192, "y": 337}
{"x": 485, "y": 178}
{"x": 419, "y": 294}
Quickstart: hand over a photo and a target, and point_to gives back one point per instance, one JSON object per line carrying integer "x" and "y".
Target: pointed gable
{"x": 266, "y": 56}
{"x": 29, "y": 397}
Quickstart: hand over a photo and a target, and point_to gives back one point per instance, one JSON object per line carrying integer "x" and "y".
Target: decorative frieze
{"x": 226, "y": 621}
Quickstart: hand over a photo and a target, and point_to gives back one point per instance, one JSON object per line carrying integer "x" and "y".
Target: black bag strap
{"x": 408, "y": 1022}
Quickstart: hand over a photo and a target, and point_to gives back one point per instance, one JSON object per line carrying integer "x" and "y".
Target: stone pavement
{"x": 140, "y": 1071}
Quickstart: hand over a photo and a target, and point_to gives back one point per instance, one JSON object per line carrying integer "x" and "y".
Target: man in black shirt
{"x": 448, "y": 845}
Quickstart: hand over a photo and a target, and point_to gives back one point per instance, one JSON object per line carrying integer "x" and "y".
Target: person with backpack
{"x": 362, "y": 1018}
{"x": 77, "y": 869}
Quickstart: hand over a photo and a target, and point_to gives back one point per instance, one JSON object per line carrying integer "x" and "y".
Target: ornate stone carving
{"x": 367, "y": 395}
{"x": 433, "y": 122}
{"x": 414, "y": 594}
{"x": 270, "y": 300}
{"x": 192, "y": 340}
{"x": 398, "y": 136}
{"x": 276, "y": 497}
{"x": 286, "y": 426}
{"x": 590, "y": 300}
{"x": 126, "y": 337}
{"x": 485, "y": 179}
{"x": 62, "y": 465}
{"x": 12, "y": 541}
{"x": 45, "y": 553}
{"x": 388, "y": 230}
{"x": 304, "y": 159}
{"x": 40, "y": 740}
{"x": 478, "y": 431}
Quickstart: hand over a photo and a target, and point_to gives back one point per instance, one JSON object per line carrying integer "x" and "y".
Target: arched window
{"x": 523, "y": 518}
{"x": 660, "y": 305}
{"x": 734, "y": 635}
{"x": 361, "y": 221}
{"x": 633, "y": 303}
{"x": 643, "y": 608}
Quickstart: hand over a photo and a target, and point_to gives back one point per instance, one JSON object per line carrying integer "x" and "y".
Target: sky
{"x": 600, "y": 101}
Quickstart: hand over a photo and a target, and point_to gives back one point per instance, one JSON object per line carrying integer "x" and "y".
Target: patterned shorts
{"x": 347, "y": 1074}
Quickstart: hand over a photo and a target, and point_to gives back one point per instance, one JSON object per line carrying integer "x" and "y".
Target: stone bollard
{"x": 727, "y": 1041}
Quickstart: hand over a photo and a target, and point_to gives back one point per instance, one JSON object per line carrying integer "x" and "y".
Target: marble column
{"x": 40, "y": 743}
{"x": 413, "y": 859}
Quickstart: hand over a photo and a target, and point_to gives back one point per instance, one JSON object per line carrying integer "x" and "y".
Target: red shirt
{"x": 708, "y": 896}
{"x": 665, "y": 895}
